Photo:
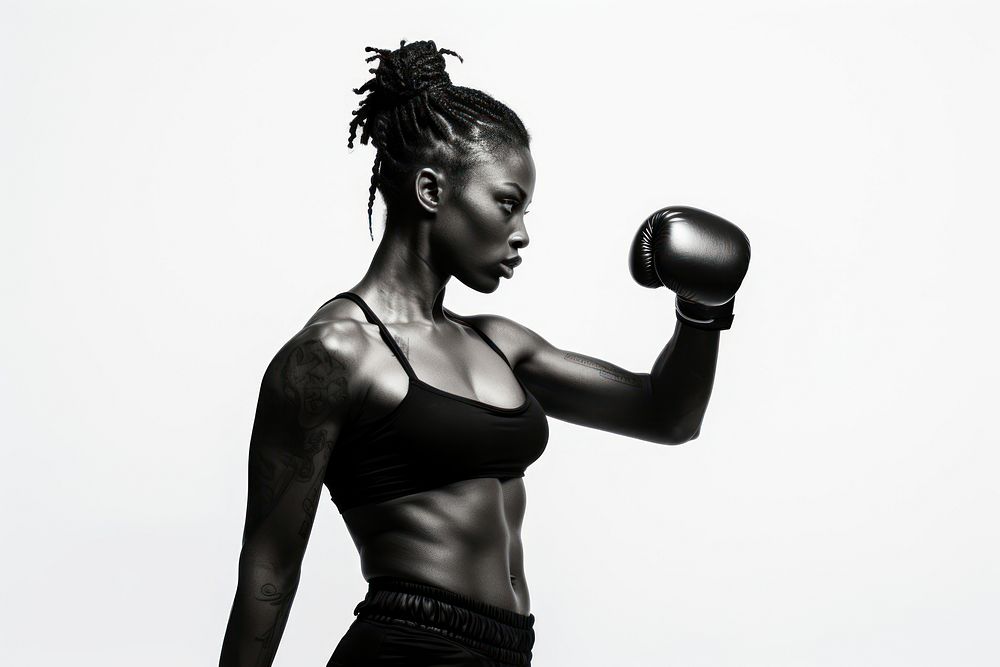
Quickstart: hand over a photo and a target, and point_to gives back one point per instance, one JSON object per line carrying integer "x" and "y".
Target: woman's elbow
{"x": 678, "y": 434}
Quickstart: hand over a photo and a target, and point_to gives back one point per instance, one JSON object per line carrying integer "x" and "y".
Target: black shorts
{"x": 406, "y": 624}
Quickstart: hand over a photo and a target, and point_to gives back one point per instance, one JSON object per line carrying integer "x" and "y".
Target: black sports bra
{"x": 431, "y": 438}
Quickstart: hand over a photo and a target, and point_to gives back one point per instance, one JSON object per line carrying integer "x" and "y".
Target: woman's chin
{"x": 490, "y": 288}
{"x": 487, "y": 286}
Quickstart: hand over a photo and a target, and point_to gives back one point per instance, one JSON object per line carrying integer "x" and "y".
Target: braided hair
{"x": 413, "y": 115}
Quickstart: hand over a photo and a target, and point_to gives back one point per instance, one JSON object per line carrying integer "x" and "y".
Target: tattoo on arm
{"x": 606, "y": 371}
{"x": 271, "y": 475}
{"x": 286, "y": 482}
{"x": 313, "y": 380}
{"x": 319, "y": 445}
{"x": 280, "y": 599}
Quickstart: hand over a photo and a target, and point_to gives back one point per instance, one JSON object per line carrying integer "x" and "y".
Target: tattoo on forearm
{"x": 272, "y": 595}
{"x": 607, "y": 371}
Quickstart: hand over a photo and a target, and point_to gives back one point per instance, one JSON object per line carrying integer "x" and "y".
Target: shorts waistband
{"x": 499, "y": 633}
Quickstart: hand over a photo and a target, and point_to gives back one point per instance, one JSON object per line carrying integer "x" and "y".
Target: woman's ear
{"x": 428, "y": 184}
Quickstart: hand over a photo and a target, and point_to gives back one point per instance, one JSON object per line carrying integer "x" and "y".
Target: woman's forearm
{"x": 681, "y": 380}
{"x": 260, "y": 609}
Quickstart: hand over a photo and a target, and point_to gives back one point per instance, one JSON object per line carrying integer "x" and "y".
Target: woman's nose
{"x": 519, "y": 238}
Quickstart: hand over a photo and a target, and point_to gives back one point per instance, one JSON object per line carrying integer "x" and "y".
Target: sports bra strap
{"x": 386, "y": 336}
{"x": 391, "y": 342}
{"x": 486, "y": 338}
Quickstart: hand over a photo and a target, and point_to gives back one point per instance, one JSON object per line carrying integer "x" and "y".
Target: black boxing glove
{"x": 697, "y": 255}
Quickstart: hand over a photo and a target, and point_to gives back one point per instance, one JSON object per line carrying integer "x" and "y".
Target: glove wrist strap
{"x": 707, "y": 318}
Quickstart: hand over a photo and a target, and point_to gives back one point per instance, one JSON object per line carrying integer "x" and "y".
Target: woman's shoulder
{"x": 513, "y": 338}
{"x": 336, "y": 326}
{"x": 328, "y": 349}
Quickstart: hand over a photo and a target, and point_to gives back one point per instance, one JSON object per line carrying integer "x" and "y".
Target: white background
{"x": 177, "y": 198}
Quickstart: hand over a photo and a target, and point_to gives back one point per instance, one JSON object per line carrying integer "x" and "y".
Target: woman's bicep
{"x": 576, "y": 387}
{"x": 303, "y": 402}
{"x": 300, "y": 411}
{"x": 285, "y": 475}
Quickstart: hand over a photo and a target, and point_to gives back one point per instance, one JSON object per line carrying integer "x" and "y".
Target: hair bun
{"x": 410, "y": 70}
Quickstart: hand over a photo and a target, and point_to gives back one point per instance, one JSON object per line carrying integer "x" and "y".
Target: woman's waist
{"x": 500, "y": 634}
{"x": 488, "y": 578}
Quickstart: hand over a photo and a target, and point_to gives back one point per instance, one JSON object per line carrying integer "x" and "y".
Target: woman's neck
{"x": 403, "y": 282}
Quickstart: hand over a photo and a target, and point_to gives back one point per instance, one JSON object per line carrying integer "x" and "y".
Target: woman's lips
{"x": 507, "y": 265}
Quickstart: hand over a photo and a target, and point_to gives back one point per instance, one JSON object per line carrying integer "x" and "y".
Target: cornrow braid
{"x": 413, "y": 114}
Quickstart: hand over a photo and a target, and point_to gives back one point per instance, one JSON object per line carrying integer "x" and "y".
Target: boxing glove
{"x": 699, "y": 256}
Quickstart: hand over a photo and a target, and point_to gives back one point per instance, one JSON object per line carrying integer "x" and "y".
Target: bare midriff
{"x": 464, "y": 537}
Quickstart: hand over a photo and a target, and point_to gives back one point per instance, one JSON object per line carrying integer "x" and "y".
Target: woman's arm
{"x": 665, "y": 406}
{"x": 703, "y": 259}
{"x": 682, "y": 378}
{"x": 303, "y": 399}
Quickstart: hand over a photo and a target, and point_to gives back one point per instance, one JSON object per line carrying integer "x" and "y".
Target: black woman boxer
{"x": 421, "y": 422}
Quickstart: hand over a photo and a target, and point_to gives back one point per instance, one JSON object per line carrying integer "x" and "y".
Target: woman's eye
{"x": 513, "y": 203}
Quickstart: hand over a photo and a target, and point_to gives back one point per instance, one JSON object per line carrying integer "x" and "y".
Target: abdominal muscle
{"x": 464, "y": 537}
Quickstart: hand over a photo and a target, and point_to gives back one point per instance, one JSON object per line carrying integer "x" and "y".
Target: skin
{"x": 465, "y": 536}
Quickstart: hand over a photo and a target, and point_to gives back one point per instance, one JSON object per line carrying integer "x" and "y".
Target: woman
{"x": 421, "y": 422}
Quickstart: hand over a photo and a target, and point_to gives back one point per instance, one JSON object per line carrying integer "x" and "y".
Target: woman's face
{"x": 478, "y": 228}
